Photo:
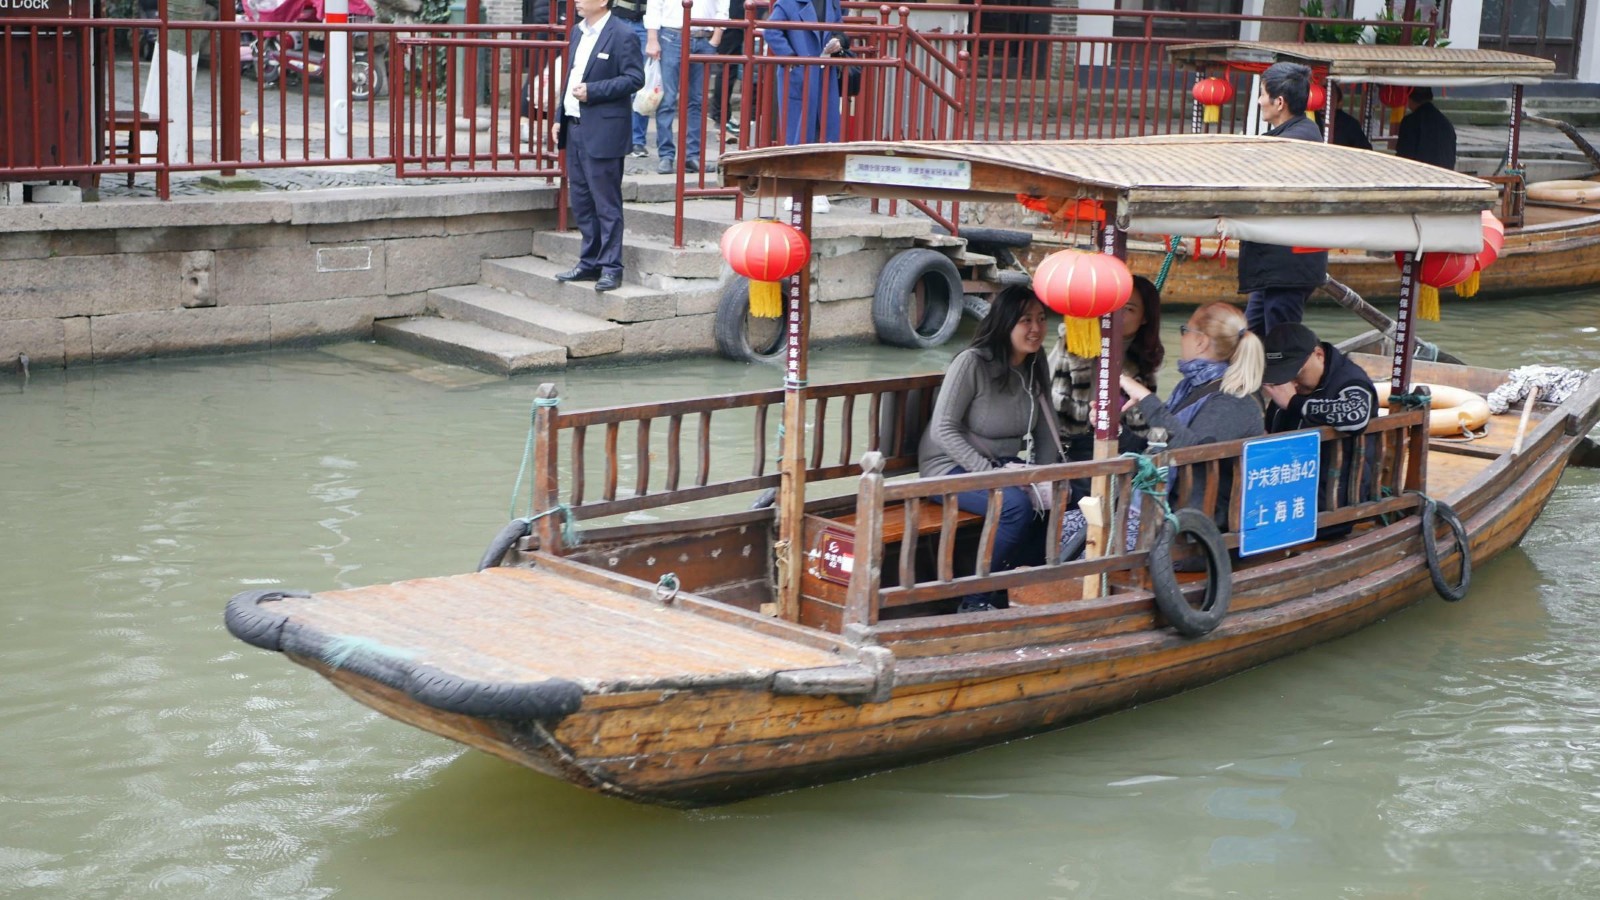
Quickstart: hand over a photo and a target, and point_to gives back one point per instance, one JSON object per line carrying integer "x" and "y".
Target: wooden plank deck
{"x": 526, "y": 625}
{"x": 1454, "y": 463}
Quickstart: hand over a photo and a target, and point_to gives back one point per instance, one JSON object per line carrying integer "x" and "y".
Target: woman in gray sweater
{"x": 989, "y": 413}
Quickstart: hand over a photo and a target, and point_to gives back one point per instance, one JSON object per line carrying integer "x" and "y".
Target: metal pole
{"x": 337, "y": 60}
{"x": 228, "y": 52}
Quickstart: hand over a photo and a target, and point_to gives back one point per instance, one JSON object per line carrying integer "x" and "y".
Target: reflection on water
{"x": 1449, "y": 752}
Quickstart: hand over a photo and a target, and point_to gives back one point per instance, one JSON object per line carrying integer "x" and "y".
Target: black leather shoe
{"x": 578, "y": 273}
{"x": 608, "y": 282}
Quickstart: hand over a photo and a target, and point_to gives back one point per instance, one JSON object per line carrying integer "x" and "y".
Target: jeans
{"x": 671, "y": 60}
{"x": 1275, "y": 306}
{"x": 641, "y": 124}
{"x": 1018, "y": 539}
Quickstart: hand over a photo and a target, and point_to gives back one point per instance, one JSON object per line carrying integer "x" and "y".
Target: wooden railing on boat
{"x": 663, "y": 474}
{"x": 1397, "y": 442}
{"x": 934, "y": 551}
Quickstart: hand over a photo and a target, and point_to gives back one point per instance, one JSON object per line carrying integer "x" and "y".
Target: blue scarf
{"x": 1196, "y": 373}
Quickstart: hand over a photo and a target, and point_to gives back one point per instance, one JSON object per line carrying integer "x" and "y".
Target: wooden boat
{"x": 734, "y": 651}
{"x": 1550, "y": 246}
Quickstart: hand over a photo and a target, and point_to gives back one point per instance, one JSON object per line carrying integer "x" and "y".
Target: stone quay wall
{"x": 105, "y": 282}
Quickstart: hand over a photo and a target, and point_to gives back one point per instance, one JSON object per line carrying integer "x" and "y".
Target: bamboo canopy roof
{"x": 1376, "y": 63}
{"x": 1169, "y": 184}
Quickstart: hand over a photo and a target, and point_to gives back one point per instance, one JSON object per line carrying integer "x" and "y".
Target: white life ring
{"x": 1565, "y": 191}
{"x": 1454, "y": 411}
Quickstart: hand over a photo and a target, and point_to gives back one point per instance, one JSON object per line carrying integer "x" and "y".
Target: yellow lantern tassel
{"x": 766, "y": 299}
{"x": 1428, "y": 303}
{"x": 1468, "y": 288}
{"x": 1083, "y": 337}
{"x": 1396, "y": 113}
{"x": 1311, "y": 114}
{"x": 1212, "y": 115}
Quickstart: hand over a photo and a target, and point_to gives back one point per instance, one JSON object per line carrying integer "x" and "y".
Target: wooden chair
{"x": 1513, "y": 197}
{"x": 132, "y": 123}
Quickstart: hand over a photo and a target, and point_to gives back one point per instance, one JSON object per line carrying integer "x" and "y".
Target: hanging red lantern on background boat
{"x": 766, "y": 252}
{"x": 1211, "y": 93}
{"x": 1315, "y": 98}
{"x": 1435, "y": 271}
{"x": 1494, "y": 238}
{"x": 1395, "y": 97}
{"x": 1083, "y": 287}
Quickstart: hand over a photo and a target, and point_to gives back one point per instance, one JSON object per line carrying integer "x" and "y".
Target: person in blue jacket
{"x": 817, "y": 86}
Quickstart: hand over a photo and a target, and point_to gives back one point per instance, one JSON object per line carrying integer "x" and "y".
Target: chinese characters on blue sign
{"x": 1280, "y": 492}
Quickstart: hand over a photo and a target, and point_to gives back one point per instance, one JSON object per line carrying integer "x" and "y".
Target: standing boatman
{"x": 1279, "y": 280}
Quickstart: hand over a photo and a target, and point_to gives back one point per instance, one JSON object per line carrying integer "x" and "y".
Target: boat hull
{"x": 1558, "y": 256}
{"x": 702, "y": 747}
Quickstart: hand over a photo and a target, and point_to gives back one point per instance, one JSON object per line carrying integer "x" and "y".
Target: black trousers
{"x": 594, "y": 193}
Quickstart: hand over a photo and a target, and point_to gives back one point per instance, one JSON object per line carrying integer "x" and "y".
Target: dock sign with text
{"x": 1280, "y": 492}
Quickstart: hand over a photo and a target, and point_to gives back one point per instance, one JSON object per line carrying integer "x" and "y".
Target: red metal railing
{"x": 86, "y": 107}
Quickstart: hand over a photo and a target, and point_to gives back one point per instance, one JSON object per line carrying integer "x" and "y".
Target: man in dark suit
{"x": 604, "y": 69}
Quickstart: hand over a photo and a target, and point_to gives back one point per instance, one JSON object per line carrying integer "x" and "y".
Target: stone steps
{"x": 468, "y": 344}
{"x": 582, "y": 335}
{"x": 647, "y": 260}
{"x": 534, "y": 276}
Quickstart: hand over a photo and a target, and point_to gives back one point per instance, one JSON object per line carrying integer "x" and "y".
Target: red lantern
{"x": 1441, "y": 269}
{"x": 1438, "y": 270}
{"x": 1083, "y": 287}
{"x": 1395, "y": 97}
{"x": 1315, "y": 98}
{"x": 1211, "y": 93}
{"x": 1494, "y": 238}
{"x": 766, "y": 252}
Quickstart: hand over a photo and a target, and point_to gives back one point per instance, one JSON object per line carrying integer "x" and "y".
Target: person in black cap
{"x": 1309, "y": 384}
{"x": 1425, "y": 134}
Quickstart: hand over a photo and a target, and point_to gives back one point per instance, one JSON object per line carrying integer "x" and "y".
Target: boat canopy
{"x": 1376, "y": 63}
{"x": 1269, "y": 190}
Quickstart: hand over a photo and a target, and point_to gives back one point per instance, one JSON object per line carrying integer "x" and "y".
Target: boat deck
{"x": 512, "y": 625}
{"x": 1452, "y": 463}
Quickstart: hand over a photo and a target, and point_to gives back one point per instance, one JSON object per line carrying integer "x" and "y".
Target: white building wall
{"x": 1589, "y": 46}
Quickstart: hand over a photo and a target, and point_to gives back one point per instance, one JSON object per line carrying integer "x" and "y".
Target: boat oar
{"x": 1349, "y": 299}
{"x": 1584, "y": 147}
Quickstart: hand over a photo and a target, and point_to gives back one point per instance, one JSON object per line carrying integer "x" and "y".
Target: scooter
{"x": 302, "y": 56}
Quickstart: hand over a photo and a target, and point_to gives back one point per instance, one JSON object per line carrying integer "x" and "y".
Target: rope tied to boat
{"x": 1166, "y": 264}
{"x": 569, "y": 519}
{"x": 667, "y": 587}
{"x": 1151, "y": 479}
{"x": 1412, "y": 401}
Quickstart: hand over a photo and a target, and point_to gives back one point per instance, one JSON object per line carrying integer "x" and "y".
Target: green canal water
{"x": 1452, "y": 751}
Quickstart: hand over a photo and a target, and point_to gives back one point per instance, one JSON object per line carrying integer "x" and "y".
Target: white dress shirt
{"x": 588, "y": 37}
{"x": 668, "y": 14}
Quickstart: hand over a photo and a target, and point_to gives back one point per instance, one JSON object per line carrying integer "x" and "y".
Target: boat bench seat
{"x": 929, "y": 518}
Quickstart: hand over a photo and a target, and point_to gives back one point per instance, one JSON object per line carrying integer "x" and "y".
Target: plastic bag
{"x": 649, "y": 96}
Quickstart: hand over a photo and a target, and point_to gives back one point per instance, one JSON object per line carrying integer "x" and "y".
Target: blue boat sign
{"x": 1280, "y": 492}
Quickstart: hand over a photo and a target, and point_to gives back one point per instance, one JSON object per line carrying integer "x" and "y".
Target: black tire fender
{"x": 943, "y": 299}
{"x": 248, "y": 621}
{"x": 982, "y": 239}
{"x": 1436, "y": 509}
{"x": 514, "y": 531}
{"x": 731, "y": 327}
{"x": 1187, "y": 619}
